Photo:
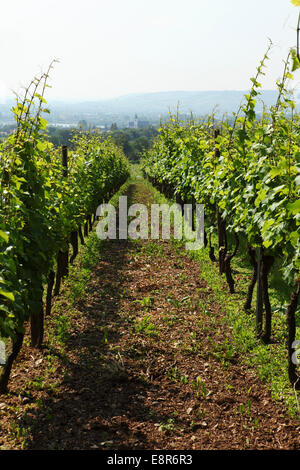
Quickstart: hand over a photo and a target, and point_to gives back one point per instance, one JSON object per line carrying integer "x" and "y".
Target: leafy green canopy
{"x": 39, "y": 207}
{"x": 254, "y": 176}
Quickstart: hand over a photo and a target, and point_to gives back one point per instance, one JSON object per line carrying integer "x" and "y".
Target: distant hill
{"x": 151, "y": 106}
{"x": 199, "y": 102}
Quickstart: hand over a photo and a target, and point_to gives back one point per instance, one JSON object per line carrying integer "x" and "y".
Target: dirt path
{"x": 149, "y": 364}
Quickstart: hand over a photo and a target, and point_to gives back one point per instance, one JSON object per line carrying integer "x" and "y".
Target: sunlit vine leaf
{"x": 295, "y": 59}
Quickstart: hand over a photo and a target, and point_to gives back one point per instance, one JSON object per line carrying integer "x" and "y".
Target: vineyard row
{"x": 47, "y": 197}
{"x": 246, "y": 173}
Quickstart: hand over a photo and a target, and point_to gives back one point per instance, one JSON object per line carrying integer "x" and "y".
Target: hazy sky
{"x": 113, "y": 47}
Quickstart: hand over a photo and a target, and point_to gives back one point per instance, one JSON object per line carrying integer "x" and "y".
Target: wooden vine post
{"x": 63, "y": 255}
{"x": 222, "y": 238}
{"x": 212, "y": 256}
{"x": 259, "y": 295}
{"x": 251, "y": 252}
{"x": 74, "y": 243}
{"x": 50, "y": 285}
{"x": 227, "y": 266}
{"x": 37, "y": 324}
{"x": 267, "y": 263}
{"x": 264, "y": 265}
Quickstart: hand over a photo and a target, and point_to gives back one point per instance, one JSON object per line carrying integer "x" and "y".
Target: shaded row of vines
{"x": 48, "y": 201}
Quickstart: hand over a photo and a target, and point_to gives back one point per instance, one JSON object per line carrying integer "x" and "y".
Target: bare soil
{"x": 147, "y": 365}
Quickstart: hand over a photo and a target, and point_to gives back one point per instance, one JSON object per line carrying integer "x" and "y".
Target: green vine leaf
{"x": 295, "y": 59}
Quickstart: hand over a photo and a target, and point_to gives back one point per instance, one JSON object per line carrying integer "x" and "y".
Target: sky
{"x": 108, "y": 48}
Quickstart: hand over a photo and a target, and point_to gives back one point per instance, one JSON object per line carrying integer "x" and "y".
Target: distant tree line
{"x": 61, "y": 135}
{"x": 133, "y": 141}
{"x": 57, "y": 135}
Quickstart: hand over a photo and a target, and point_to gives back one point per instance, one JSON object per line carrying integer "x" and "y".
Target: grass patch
{"x": 145, "y": 326}
{"x": 269, "y": 361}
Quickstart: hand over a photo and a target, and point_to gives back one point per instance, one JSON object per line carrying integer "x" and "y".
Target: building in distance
{"x": 138, "y": 123}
